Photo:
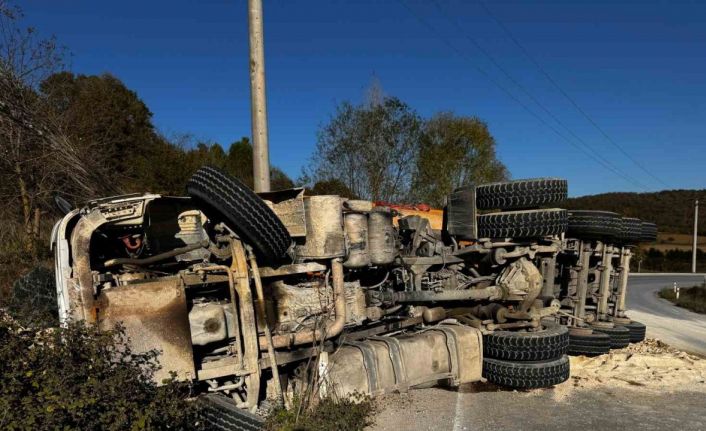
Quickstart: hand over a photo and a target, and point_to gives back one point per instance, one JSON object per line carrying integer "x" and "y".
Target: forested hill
{"x": 672, "y": 210}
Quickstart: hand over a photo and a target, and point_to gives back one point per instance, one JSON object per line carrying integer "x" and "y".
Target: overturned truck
{"x": 255, "y": 296}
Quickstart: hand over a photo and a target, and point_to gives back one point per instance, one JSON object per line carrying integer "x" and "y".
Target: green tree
{"x": 112, "y": 123}
{"x": 371, "y": 148}
{"x": 109, "y": 121}
{"x": 454, "y": 151}
{"x": 238, "y": 161}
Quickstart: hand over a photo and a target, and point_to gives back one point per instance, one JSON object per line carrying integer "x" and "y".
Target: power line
{"x": 516, "y": 99}
{"x": 534, "y": 99}
{"x": 567, "y": 96}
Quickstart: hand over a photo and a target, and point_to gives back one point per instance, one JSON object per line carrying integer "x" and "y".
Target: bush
{"x": 77, "y": 377}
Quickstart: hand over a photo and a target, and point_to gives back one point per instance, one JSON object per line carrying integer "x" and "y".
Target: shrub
{"x": 77, "y": 377}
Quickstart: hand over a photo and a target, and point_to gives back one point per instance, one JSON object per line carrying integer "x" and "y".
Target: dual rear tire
{"x": 527, "y": 360}
{"x": 619, "y": 335}
{"x": 602, "y": 340}
{"x": 593, "y": 344}
{"x": 637, "y": 331}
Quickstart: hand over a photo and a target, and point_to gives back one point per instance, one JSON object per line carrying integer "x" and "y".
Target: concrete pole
{"x": 258, "y": 101}
{"x": 694, "y": 243}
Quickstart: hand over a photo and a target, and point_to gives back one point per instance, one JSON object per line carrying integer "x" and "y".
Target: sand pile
{"x": 651, "y": 364}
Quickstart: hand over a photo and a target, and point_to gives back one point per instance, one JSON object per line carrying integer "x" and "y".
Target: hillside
{"x": 672, "y": 210}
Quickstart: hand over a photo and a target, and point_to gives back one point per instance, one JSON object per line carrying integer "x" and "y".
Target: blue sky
{"x": 637, "y": 68}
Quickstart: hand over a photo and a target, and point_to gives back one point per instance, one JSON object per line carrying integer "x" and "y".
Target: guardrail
{"x": 667, "y": 274}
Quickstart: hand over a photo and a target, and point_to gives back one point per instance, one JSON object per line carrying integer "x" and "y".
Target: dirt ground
{"x": 648, "y": 386}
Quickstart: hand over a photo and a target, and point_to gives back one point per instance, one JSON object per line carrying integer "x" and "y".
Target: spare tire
{"x": 593, "y": 344}
{"x": 522, "y": 224}
{"x": 648, "y": 232}
{"x": 631, "y": 231}
{"x": 521, "y": 194}
{"x": 527, "y": 375}
{"x": 594, "y": 225}
{"x": 549, "y": 343}
{"x": 224, "y": 197}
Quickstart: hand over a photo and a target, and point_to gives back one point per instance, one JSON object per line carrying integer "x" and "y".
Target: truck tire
{"x": 593, "y": 344}
{"x": 225, "y": 198}
{"x": 526, "y": 375}
{"x": 649, "y": 232}
{"x": 637, "y": 331}
{"x": 521, "y": 194}
{"x": 631, "y": 231}
{"x": 549, "y": 343}
{"x": 522, "y": 224}
{"x": 619, "y": 336}
{"x": 219, "y": 413}
{"x": 594, "y": 225}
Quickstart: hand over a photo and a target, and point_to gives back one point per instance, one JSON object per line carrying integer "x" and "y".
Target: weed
{"x": 330, "y": 413}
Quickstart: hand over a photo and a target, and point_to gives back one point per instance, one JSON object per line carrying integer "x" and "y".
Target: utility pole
{"x": 258, "y": 101}
{"x": 696, "y": 228}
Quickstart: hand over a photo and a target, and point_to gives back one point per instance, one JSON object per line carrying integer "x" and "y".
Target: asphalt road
{"x": 484, "y": 407}
{"x": 674, "y": 325}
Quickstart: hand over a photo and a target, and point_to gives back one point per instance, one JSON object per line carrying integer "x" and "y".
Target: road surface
{"x": 674, "y": 325}
{"x": 478, "y": 407}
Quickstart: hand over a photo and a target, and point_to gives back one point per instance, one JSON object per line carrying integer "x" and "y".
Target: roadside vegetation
{"x": 76, "y": 377}
{"x": 692, "y": 298}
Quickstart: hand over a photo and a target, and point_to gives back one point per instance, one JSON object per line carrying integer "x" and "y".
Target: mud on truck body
{"x": 591, "y": 280}
{"x": 364, "y": 298}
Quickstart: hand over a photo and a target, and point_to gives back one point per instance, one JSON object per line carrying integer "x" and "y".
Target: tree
{"x": 331, "y": 187}
{"x": 454, "y": 151}
{"x": 108, "y": 120}
{"x": 36, "y": 158}
{"x": 238, "y": 161}
{"x": 370, "y": 148}
{"x": 30, "y": 57}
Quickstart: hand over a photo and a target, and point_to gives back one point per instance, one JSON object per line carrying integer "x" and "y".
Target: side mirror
{"x": 62, "y": 204}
